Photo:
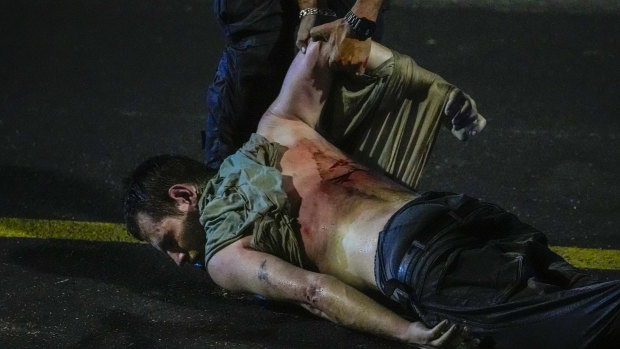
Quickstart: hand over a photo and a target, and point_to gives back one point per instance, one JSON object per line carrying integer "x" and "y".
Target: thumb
{"x": 301, "y": 46}
{"x": 302, "y": 43}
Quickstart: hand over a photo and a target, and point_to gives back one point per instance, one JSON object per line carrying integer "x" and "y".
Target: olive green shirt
{"x": 245, "y": 198}
{"x": 387, "y": 119}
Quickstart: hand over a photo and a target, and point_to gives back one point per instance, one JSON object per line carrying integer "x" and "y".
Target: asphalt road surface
{"x": 90, "y": 88}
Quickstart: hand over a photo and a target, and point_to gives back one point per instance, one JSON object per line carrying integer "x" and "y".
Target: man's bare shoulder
{"x": 285, "y": 130}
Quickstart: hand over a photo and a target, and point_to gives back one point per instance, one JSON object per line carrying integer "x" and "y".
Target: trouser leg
{"x": 512, "y": 290}
{"x": 258, "y": 51}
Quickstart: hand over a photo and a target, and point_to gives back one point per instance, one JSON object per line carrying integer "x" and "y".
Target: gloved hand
{"x": 463, "y": 116}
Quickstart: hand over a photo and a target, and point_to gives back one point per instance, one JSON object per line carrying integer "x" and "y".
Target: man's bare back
{"x": 341, "y": 205}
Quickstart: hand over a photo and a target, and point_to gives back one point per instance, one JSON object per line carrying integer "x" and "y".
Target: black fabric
{"x": 259, "y": 48}
{"x": 449, "y": 256}
{"x": 260, "y": 45}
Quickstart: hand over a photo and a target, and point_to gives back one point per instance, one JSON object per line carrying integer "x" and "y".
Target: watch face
{"x": 367, "y": 32}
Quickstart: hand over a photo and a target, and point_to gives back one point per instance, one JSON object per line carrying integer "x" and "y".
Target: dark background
{"x": 90, "y": 88}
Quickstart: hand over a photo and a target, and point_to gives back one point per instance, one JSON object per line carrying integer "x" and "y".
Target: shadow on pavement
{"x": 87, "y": 294}
{"x": 30, "y": 192}
{"x": 135, "y": 267}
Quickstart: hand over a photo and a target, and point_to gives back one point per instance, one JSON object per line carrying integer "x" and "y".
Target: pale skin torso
{"x": 341, "y": 206}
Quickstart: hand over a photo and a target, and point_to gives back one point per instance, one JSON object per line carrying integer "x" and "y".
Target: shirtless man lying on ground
{"x": 291, "y": 217}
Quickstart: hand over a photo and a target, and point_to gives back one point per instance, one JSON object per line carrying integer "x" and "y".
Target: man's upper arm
{"x": 237, "y": 267}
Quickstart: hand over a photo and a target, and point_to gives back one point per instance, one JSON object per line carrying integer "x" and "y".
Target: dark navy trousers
{"x": 449, "y": 256}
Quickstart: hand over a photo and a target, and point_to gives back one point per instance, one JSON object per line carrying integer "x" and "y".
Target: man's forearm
{"x": 237, "y": 267}
{"x": 349, "y": 307}
{"x": 345, "y": 305}
{"x": 311, "y": 3}
{"x": 306, "y": 3}
{"x": 367, "y": 8}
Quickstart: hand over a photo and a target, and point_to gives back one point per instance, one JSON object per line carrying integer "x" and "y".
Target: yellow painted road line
{"x": 61, "y": 229}
{"x": 590, "y": 258}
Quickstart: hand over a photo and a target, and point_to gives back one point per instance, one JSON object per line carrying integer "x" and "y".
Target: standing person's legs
{"x": 259, "y": 48}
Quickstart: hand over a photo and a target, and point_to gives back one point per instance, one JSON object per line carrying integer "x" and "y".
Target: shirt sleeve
{"x": 387, "y": 119}
{"x": 246, "y": 198}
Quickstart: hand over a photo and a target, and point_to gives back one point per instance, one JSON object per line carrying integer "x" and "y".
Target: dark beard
{"x": 195, "y": 234}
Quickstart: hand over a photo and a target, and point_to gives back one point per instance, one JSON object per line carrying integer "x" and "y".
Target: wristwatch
{"x": 361, "y": 26}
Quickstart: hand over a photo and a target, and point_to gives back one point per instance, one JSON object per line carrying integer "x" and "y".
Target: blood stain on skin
{"x": 338, "y": 163}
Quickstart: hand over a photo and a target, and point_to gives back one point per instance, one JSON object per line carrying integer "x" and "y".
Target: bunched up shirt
{"x": 386, "y": 119}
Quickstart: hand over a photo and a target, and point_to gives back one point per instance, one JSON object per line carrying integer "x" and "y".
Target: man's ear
{"x": 185, "y": 195}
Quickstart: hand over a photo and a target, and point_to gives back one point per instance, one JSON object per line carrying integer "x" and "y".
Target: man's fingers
{"x": 450, "y": 338}
{"x": 362, "y": 67}
{"x": 302, "y": 43}
{"x": 324, "y": 31}
{"x": 302, "y": 39}
{"x": 464, "y": 118}
{"x": 463, "y": 115}
{"x": 458, "y": 340}
{"x": 477, "y": 125}
{"x": 466, "y": 108}
{"x": 303, "y": 33}
{"x": 321, "y": 32}
{"x": 301, "y": 46}
{"x": 447, "y": 336}
{"x": 438, "y": 329}
{"x": 456, "y": 99}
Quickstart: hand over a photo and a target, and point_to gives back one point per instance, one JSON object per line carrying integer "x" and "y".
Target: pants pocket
{"x": 481, "y": 276}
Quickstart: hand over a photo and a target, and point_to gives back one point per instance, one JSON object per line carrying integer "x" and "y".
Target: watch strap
{"x": 362, "y": 26}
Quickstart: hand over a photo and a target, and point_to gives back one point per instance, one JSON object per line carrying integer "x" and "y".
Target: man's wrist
{"x": 362, "y": 27}
{"x": 367, "y": 8}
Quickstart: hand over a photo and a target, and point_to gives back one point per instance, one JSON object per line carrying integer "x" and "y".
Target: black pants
{"x": 448, "y": 256}
{"x": 260, "y": 45}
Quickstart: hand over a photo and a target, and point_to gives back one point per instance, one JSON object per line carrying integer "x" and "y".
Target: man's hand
{"x": 346, "y": 53}
{"x": 303, "y": 33}
{"x": 462, "y": 115}
{"x": 440, "y": 336}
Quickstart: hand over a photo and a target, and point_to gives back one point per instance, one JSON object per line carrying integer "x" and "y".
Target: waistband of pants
{"x": 397, "y": 286}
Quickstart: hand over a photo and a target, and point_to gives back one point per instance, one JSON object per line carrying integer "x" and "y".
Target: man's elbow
{"x": 321, "y": 295}
{"x": 314, "y": 292}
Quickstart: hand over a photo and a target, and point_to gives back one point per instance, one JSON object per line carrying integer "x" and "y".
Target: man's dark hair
{"x": 147, "y": 187}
